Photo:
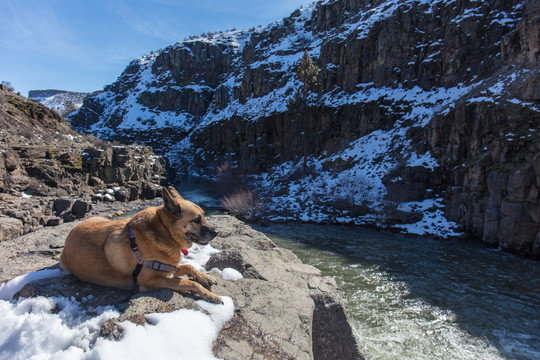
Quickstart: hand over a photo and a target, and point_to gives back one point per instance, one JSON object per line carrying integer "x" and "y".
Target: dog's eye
{"x": 197, "y": 220}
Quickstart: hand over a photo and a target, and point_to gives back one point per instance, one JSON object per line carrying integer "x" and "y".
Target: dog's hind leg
{"x": 203, "y": 279}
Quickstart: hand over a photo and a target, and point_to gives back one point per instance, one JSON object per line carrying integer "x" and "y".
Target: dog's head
{"x": 187, "y": 220}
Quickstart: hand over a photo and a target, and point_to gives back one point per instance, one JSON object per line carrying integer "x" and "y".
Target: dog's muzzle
{"x": 206, "y": 235}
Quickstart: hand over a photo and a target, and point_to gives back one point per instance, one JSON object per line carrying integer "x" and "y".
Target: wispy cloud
{"x": 145, "y": 20}
{"x": 42, "y": 29}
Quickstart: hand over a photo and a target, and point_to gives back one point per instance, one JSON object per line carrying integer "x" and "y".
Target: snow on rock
{"x": 231, "y": 274}
{"x": 184, "y": 334}
{"x": 45, "y": 328}
{"x": 69, "y": 319}
{"x": 370, "y": 158}
{"x": 424, "y": 160}
{"x": 198, "y": 256}
{"x": 433, "y": 221}
{"x": 8, "y": 289}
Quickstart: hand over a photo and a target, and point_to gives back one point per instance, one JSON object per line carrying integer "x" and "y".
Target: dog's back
{"x": 95, "y": 251}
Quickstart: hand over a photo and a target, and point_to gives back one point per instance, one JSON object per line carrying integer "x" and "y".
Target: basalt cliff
{"x": 425, "y": 117}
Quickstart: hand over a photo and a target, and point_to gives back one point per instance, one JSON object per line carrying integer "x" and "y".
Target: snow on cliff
{"x": 58, "y": 100}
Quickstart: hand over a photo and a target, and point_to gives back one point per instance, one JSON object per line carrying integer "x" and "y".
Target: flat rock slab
{"x": 33, "y": 251}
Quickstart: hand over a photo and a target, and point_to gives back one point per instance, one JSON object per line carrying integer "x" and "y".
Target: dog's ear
{"x": 171, "y": 206}
{"x": 175, "y": 193}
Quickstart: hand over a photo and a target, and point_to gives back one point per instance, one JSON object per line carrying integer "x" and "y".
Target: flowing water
{"x": 415, "y": 297}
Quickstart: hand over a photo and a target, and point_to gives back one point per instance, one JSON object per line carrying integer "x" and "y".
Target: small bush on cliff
{"x": 92, "y": 139}
{"x": 238, "y": 199}
{"x": 308, "y": 73}
{"x": 243, "y": 203}
{"x": 69, "y": 107}
{"x": 8, "y": 85}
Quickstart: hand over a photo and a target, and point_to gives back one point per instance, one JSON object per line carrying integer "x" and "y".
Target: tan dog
{"x": 105, "y": 252}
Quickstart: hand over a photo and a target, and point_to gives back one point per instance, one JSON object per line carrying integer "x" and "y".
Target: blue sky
{"x": 83, "y": 45}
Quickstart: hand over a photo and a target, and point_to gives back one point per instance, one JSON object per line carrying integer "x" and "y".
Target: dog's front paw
{"x": 205, "y": 280}
{"x": 216, "y": 299}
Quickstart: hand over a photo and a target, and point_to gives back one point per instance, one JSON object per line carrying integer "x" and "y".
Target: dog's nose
{"x": 212, "y": 233}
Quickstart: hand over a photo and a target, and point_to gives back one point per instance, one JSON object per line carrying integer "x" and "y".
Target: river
{"x": 413, "y": 297}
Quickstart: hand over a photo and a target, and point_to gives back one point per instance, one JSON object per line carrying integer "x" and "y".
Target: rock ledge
{"x": 284, "y": 309}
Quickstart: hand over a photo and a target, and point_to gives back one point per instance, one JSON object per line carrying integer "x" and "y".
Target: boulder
{"x": 34, "y": 251}
{"x": 11, "y": 162}
{"x": 95, "y": 181}
{"x": 10, "y": 228}
{"x": 122, "y": 194}
{"x": 277, "y": 282}
{"x": 80, "y": 208}
{"x": 97, "y": 197}
{"x": 151, "y": 191}
{"x": 54, "y": 221}
{"x": 63, "y": 204}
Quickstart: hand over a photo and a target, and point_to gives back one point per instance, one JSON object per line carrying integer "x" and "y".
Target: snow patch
{"x": 425, "y": 160}
{"x": 8, "y": 289}
{"x": 56, "y": 328}
{"x": 185, "y": 334}
{"x": 231, "y": 274}
{"x": 433, "y": 221}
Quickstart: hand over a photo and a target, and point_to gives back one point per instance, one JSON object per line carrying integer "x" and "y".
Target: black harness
{"x": 154, "y": 265}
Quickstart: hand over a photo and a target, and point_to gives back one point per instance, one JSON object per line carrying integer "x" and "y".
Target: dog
{"x": 142, "y": 253}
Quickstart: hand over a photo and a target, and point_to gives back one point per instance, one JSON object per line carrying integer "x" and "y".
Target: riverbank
{"x": 312, "y": 322}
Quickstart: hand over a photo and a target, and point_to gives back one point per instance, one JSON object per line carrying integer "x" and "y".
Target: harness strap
{"x": 159, "y": 266}
{"x": 154, "y": 265}
{"x": 133, "y": 244}
{"x": 135, "y": 249}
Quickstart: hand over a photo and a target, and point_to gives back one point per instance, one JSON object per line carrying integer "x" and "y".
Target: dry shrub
{"x": 243, "y": 203}
{"x": 69, "y": 107}
{"x": 92, "y": 139}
